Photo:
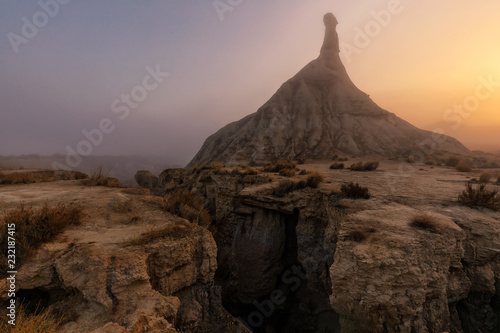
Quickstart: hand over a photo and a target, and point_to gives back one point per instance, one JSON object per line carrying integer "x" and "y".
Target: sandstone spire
{"x": 316, "y": 114}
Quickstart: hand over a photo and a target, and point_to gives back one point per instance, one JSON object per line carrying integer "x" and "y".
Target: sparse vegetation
{"x": 314, "y": 179}
{"x": 216, "y": 168}
{"x": 171, "y": 231}
{"x": 489, "y": 175}
{"x": 354, "y": 191}
{"x": 368, "y": 166}
{"x": 41, "y": 322}
{"x": 38, "y": 176}
{"x": 337, "y": 166}
{"x": 277, "y": 167}
{"x": 100, "y": 178}
{"x": 34, "y": 227}
{"x": 424, "y": 222}
{"x": 288, "y": 186}
{"x": 287, "y": 172}
{"x": 479, "y": 197}
{"x": 452, "y": 161}
{"x": 189, "y": 206}
{"x": 463, "y": 167}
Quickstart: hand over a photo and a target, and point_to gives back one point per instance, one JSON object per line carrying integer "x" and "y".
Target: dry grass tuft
{"x": 35, "y": 227}
{"x": 288, "y": 172}
{"x": 100, "y": 178}
{"x": 337, "y": 166}
{"x": 314, "y": 179}
{"x": 355, "y": 191}
{"x": 489, "y": 175}
{"x": 171, "y": 231}
{"x": 277, "y": 167}
{"x": 42, "y": 322}
{"x": 188, "y": 206}
{"x": 479, "y": 197}
{"x": 424, "y": 222}
{"x": 39, "y": 176}
{"x": 368, "y": 166}
{"x": 288, "y": 186}
{"x": 463, "y": 167}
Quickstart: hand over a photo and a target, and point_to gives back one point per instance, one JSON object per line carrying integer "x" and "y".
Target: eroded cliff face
{"x": 98, "y": 279}
{"x": 312, "y": 262}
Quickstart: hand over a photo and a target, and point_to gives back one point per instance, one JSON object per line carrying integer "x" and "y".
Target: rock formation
{"x": 317, "y": 114}
{"x": 315, "y": 262}
{"x": 146, "y": 179}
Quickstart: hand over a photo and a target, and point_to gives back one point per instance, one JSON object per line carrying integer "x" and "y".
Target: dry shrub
{"x": 35, "y": 227}
{"x": 217, "y": 168}
{"x": 424, "y": 222}
{"x": 171, "y": 231}
{"x": 429, "y": 162}
{"x": 314, "y": 179}
{"x": 277, "y": 167}
{"x": 188, "y": 206}
{"x": 479, "y": 197}
{"x": 39, "y": 176}
{"x": 337, "y": 166}
{"x": 354, "y": 191}
{"x": 41, "y": 322}
{"x": 288, "y": 186}
{"x": 100, "y": 178}
{"x": 463, "y": 167}
{"x": 287, "y": 172}
{"x": 487, "y": 176}
{"x": 368, "y": 166}
{"x": 452, "y": 161}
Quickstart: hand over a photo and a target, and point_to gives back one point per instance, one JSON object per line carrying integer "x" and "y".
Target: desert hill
{"x": 316, "y": 114}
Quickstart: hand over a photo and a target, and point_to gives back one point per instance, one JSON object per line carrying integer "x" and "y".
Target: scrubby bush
{"x": 486, "y": 176}
{"x": 34, "y": 227}
{"x": 188, "y": 206}
{"x": 287, "y": 172}
{"x": 479, "y": 197}
{"x": 337, "y": 166}
{"x": 368, "y": 166}
{"x": 452, "y": 161}
{"x": 314, "y": 179}
{"x": 100, "y": 178}
{"x": 354, "y": 191}
{"x": 288, "y": 186}
{"x": 277, "y": 167}
{"x": 424, "y": 222}
{"x": 463, "y": 167}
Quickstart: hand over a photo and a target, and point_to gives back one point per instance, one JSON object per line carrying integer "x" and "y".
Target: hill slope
{"x": 316, "y": 114}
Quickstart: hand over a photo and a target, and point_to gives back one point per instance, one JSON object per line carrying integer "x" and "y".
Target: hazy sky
{"x": 433, "y": 63}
